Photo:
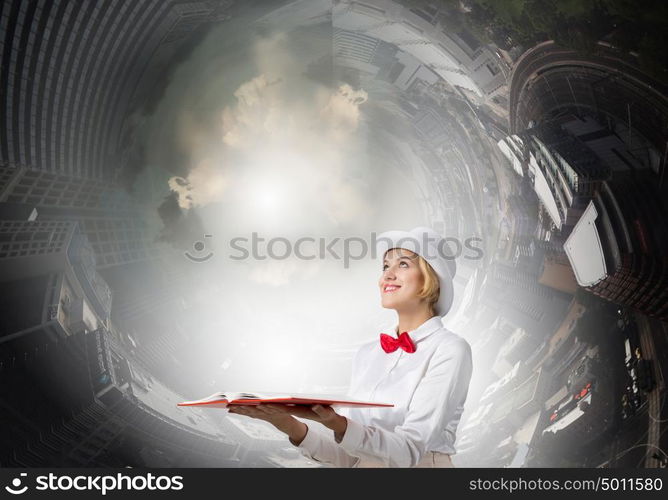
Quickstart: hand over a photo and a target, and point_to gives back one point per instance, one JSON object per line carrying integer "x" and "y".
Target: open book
{"x": 223, "y": 399}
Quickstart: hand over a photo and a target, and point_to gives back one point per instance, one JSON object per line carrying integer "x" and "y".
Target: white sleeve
{"x": 442, "y": 390}
{"x": 319, "y": 445}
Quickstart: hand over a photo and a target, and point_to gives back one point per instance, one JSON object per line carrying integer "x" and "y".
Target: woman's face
{"x": 401, "y": 280}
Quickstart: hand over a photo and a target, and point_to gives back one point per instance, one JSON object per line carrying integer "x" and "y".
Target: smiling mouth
{"x": 390, "y": 288}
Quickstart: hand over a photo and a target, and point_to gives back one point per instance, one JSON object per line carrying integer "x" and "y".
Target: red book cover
{"x": 224, "y": 399}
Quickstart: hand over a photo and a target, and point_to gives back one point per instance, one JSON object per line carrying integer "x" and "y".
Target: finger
{"x": 276, "y": 408}
{"x": 302, "y": 411}
{"x": 243, "y": 410}
{"x": 322, "y": 410}
{"x": 249, "y": 411}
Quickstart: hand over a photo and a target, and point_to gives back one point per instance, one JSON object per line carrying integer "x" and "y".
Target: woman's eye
{"x": 404, "y": 263}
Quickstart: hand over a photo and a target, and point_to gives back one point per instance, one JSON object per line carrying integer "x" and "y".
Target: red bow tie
{"x": 390, "y": 344}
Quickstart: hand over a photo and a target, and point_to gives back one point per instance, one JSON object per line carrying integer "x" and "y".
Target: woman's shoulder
{"x": 450, "y": 342}
{"x": 368, "y": 346}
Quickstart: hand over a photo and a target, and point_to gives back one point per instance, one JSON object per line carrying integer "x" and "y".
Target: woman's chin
{"x": 389, "y": 304}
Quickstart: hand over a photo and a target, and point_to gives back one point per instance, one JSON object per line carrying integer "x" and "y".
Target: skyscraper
{"x": 69, "y": 72}
{"x": 618, "y": 248}
{"x": 116, "y": 225}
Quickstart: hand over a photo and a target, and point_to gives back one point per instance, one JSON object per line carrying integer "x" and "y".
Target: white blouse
{"x": 427, "y": 387}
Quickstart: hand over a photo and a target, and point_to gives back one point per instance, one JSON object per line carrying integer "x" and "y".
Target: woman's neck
{"x": 409, "y": 321}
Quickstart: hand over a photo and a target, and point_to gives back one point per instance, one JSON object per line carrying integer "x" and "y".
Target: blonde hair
{"x": 431, "y": 287}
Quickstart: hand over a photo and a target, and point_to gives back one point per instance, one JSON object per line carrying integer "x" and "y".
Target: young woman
{"x": 423, "y": 368}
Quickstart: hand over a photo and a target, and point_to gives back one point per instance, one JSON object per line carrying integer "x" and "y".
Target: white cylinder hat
{"x": 433, "y": 248}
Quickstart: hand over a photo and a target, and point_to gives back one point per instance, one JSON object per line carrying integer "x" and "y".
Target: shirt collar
{"x": 428, "y": 327}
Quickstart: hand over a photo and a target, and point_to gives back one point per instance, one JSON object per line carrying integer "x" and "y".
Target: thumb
{"x": 321, "y": 411}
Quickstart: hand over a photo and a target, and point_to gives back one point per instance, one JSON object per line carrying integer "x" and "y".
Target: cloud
{"x": 342, "y": 112}
{"x": 203, "y": 185}
{"x": 282, "y": 125}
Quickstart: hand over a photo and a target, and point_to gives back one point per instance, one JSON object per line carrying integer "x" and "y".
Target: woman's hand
{"x": 324, "y": 414}
{"x": 267, "y": 412}
{"x": 283, "y": 421}
{"x": 277, "y": 414}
